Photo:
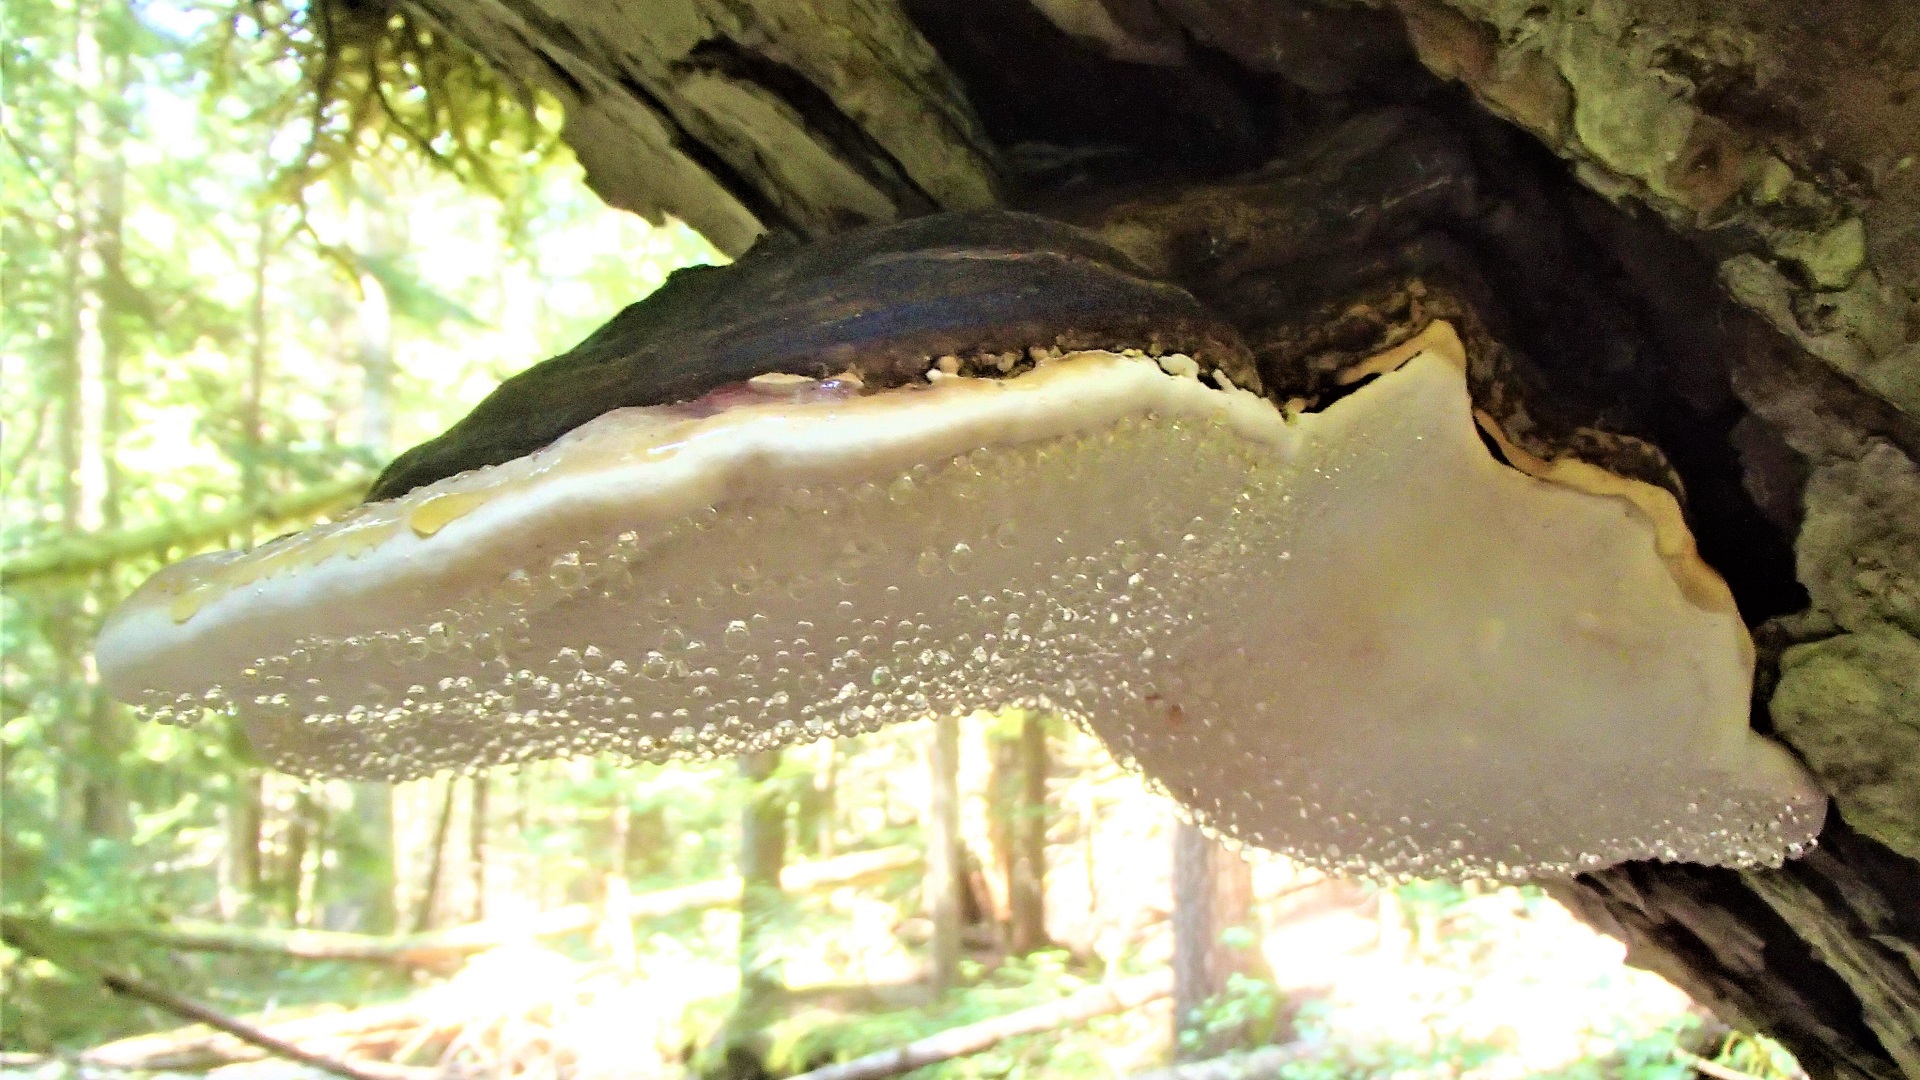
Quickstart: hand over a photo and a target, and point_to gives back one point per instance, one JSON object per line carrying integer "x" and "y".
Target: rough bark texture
{"x": 763, "y": 907}
{"x": 945, "y": 877}
{"x": 1027, "y": 869}
{"x": 743, "y": 118}
{"x": 1690, "y": 225}
{"x": 1212, "y": 902}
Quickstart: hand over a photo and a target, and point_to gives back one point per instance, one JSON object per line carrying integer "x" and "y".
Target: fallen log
{"x": 1266, "y": 1063}
{"x": 974, "y": 1038}
{"x": 440, "y": 949}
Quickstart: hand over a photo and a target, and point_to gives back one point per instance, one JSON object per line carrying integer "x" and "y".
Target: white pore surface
{"x": 1353, "y": 637}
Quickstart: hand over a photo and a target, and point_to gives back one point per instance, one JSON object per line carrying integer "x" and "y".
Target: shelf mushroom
{"x": 1351, "y": 635}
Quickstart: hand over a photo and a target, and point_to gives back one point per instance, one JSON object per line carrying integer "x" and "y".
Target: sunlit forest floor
{"x": 1422, "y": 980}
{"x": 218, "y": 321}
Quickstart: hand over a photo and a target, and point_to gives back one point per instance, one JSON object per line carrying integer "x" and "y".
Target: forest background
{"x": 226, "y": 298}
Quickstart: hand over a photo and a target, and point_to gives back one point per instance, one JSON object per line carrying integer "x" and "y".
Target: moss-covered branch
{"x": 87, "y": 554}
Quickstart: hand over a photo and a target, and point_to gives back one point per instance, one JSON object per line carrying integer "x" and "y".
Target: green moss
{"x": 1851, "y": 706}
{"x": 1831, "y": 258}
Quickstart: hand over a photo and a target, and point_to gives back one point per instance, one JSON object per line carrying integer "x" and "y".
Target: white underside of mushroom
{"x": 1352, "y": 636}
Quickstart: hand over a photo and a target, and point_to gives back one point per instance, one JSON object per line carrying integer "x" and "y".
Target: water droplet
{"x": 736, "y": 636}
{"x": 961, "y": 559}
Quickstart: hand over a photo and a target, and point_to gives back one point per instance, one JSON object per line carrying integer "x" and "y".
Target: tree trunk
{"x": 374, "y": 891}
{"x": 63, "y": 630}
{"x": 763, "y": 908}
{"x": 813, "y": 814}
{"x": 240, "y": 859}
{"x": 1027, "y": 874}
{"x": 1215, "y": 937}
{"x": 293, "y": 884}
{"x": 107, "y": 812}
{"x": 477, "y": 847}
{"x": 945, "y": 879}
{"x": 436, "y": 859}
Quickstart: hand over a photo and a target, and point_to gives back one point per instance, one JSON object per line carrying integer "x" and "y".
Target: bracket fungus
{"x": 1353, "y": 635}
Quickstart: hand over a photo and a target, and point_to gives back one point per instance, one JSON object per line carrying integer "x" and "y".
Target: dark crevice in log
{"x": 823, "y": 117}
{"x": 1572, "y": 306}
{"x": 557, "y": 72}
{"x": 741, "y": 187}
{"x": 1209, "y": 117}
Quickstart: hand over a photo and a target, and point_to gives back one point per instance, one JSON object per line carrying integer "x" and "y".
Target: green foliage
{"x": 1757, "y": 1056}
{"x": 1250, "y": 1012}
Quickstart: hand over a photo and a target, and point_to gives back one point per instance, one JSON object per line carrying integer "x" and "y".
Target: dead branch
{"x": 159, "y": 997}
{"x": 974, "y": 1038}
{"x": 85, "y": 554}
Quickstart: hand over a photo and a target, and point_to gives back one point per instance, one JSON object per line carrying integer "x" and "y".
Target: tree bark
{"x": 294, "y": 884}
{"x": 373, "y": 896}
{"x": 1215, "y": 937}
{"x": 743, "y": 119}
{"x": 1027, "y": 874}
{"x": 106, "y": 812}
{"x": 477, "y": 847}
{"x": 240, "y": 859}
{"x": 763, "y": 909}
{"x": 944, "y": 877}
{"x": 436, "y": 859}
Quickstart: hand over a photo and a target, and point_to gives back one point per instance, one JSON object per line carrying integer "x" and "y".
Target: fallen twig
{"x": 196, "y": 1048}
{"x": 973, "y": 1038}
{"x": 193, "y": 1010}
{"x": 1265, "y": 1063}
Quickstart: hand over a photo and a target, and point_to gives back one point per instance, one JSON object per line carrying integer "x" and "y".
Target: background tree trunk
{"x": 106, "y": 811}
{"x": 374, "y": 890}
{"x": 477, "y": 847}
{"x": 763, "y": 910}
{"x": 423, "y": 914}
{"x": 945, "y": 880}
{"x": 1215, "y": 937}
{"x": 1027, "y": 870}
